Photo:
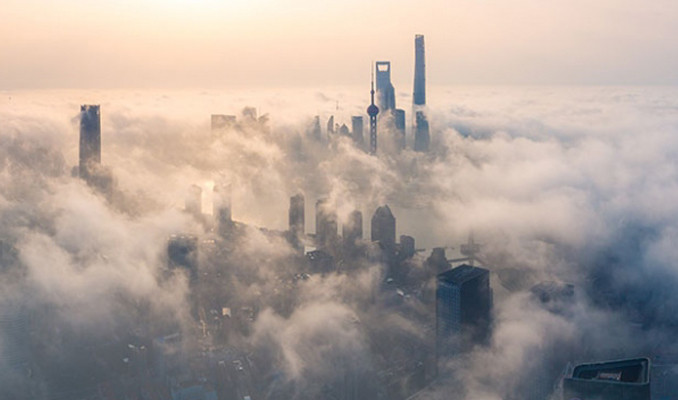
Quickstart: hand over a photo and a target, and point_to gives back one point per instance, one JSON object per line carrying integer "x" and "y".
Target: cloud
{"x": 566, "y": 184}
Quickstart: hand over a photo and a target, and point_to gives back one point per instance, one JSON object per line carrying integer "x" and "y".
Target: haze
{"x": 211, "y": 43}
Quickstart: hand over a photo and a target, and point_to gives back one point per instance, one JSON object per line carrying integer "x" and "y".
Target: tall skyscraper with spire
{"x": 419, "y": 96}
{"x": 422, "y": 136}
{"x": 372, "y": 111}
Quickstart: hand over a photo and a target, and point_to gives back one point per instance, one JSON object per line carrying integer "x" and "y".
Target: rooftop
{"x": 461, "y": 274}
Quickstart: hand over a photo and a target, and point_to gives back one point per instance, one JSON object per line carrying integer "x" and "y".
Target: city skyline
{"x": 297, "y": 200}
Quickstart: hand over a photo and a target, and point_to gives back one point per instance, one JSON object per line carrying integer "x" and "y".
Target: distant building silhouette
{"x": 343, "y": 130}
{"x": 297, "y": 220}
{"x": 463, "y": 306}
{"x": 385, "y": 89}
{"x": 90, "y": 140}
{"x": 325, "y": 223}
{"x": 419, "y": 95}
{"x": 422, "y": 137}
{"x": 407, "y": 247}
{"x": 372, "y": 111}
{"x": 611, "y": 380}
{"x": 221, "y": 121}
{"x": 221, "y": 208}
{"x": 384, "y": 226}
{"x": 182, "y": 252}
{"x": 437, "y": 262}
{"x": 399, "y": 120}
{"x": 357, "y": 130}
{"x": 316, "y": 131}
{"x": 352, "y": 230}
{"x": 330, "y": 126}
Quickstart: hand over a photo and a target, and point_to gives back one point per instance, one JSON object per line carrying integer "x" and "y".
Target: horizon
{"x": 226, "y": 43}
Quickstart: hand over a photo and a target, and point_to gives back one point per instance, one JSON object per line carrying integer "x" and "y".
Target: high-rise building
{"x": 384, "y": 226}
{"x": 611, "y": 380}
{"x": 315, "y": 132}
{"x": 330, "y": 126}
{"x": 90, "y": 139}
{"x": 297, "y": 219}
{"x": 385, "y": 89}
{"x": 419, "y": 96}
{"x": 422, "y": 137}
{"x": 463, "y": 306}
{"x": 182, "y": 252}
{"x": 325, "y": 223}
{"x": 407, "y": 249}
{"x": 357, "y": 130}
{"x": 372, "y": 111}
{"x": 437, "y": 262}
{"x": 399, "y": 119}
{"x": 343, "y": 130}
{"x": 352, "y": 229}
{"x": 221, "y": 208}
{"x": 222, "y": 121}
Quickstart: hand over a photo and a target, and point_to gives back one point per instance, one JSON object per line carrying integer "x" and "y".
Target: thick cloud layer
{"x": 558, "y": 184}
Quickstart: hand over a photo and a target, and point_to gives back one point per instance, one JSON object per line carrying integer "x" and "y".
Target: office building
{"x": 384, "y": 226}
{"x": 90, "y": 140}
{"x": 385, "y": 89}
{"x": 612, "y": 380}
{"x": 343, "y": 130}
{"x": 330, "y": 126}
{"x": 221, "y": 208}
{"x": 407, "y": 249}
{"x": 422, "y": 137}
{"x": 357, "y": 130}
{"x": 182, "y": 252}
{"x": 325, "y": 223}
{"x": 399, "y": 120}
{"x": 221, "y": 121}
{"x": 297, "y": 221}
{"x": 352, "y": 230}
{"x": 315, "y": 131}
{"x": 419, "y": 95}
{"x": 463, "y": 306}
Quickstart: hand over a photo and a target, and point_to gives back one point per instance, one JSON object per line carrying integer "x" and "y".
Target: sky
{"x": 283, "y": 43}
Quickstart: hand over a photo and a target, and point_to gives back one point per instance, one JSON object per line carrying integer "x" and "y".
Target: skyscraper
{"x": 182, "y": 252}
{"x": 399, "y": 119}
{"x": 357, "y": 130}
{"x": 422, "y": 137}
{"x": 325, "y": 223}
{"x": 385, "y": 89}
{"x": 222, "y": 121}
{"x": 297, "y": 221}
{"x": 419, "y": 96}
{"x": 90, "y": 139}
{"x": 384, "y": 226}
{"x": 221, "y": 203}
{"x": 372, "y": 111}
{"x": 330, "y": 126}
{"x": 463, "y": 305}
{"x": 352, "y": 230}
